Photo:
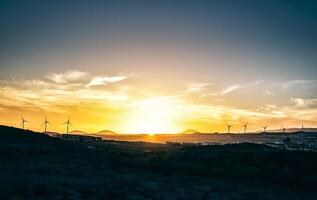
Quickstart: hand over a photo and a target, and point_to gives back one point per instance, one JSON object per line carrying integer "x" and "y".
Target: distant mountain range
{"x": 103, "y": 132}
{"x": 189, "y": 131}
{"x": 186, "y": 132}
{"x": 107, "y": 132}
{"x": 78, "y": 132}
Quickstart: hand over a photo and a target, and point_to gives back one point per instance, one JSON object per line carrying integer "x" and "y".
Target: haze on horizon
{"x": 158, "y": 66}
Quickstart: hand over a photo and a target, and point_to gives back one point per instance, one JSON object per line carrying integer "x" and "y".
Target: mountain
{"x": 78, "y": 132}
{"x": 107, "y": 132}
{"x": 189, "y": 131}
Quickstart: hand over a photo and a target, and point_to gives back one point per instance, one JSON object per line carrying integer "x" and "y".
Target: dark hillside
{"x": 18, "y": 139}
{"x": 36, "y": 166}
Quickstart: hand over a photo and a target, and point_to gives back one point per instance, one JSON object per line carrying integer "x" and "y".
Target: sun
{"x": 152, "y": 116}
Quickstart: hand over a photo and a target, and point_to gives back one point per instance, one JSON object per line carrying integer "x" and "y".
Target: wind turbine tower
{"x": 284, "y": 129}
{"x": 264, "y": 128}
{"x": 229, "y": 126}
{"x": 67, "y": 123}
{"x": 245, "y": 126}
{"x": 23, "y": 122}
{"x": 302, "y": 128}
{"x": 45, "y": 123}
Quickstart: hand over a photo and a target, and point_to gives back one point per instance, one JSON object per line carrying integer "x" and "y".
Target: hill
{"x": 78, "y": 132}
{"x": 36, "y": 166}
{"x": 189, "y": 131}
{"x": 107, "y": 132}
{"x": 18, "y": 139}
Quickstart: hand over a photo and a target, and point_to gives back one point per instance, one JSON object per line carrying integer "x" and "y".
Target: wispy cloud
{"x": 239, "y": 87}
{"x": 231, "y": 89}
{"x": 304, "y": 103}
{"x": 298, "y": 82}
{"x": 66, "y": 77}
{"x": 268, "y": 92}
{"x": 97, "y": 81}
{"x": 75, "y": 92}
{"x": 196, "y": 86}
{"x": 59, "y": 89}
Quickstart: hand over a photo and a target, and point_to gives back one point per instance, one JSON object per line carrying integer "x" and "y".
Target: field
{"x": 36, "y": 166}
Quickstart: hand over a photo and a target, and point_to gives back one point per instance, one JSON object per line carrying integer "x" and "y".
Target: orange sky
{"x": 125, "y": 103}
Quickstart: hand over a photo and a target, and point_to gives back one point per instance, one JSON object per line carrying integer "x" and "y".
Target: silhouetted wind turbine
{"x": 67, "y": 124}
{"x": 45, "y": 124}
{"x": 23, "y": 121}
{"x": 264, "y": 128}
{"x": 245, "y": 127}
{"x": 284, "y": 129}
{"x": 229, "y": 126}
{"x": 302, "y": 128}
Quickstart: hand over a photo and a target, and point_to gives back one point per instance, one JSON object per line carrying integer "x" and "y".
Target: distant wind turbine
{"x": 245, "y": 126}
{"x": 229, "y": 126}
{"x": 45, "y": 124}
{"x": 67, "y": 123}
{"x": 302, "y": 127}
{"x": 264, "y": 128}
{"x": 23, "y": 121}
{"x": 283, "y": 129}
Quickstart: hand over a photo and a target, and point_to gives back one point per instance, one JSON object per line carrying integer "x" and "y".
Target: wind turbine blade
{"x": 43, "y": 124}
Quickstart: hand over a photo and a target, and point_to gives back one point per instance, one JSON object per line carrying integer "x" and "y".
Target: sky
{"x": 158, "y": 66}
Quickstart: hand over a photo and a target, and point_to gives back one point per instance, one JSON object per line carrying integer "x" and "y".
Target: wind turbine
{"x": 45, "y": 124}
{"x": 245, "y": 127}
{"x": 264, "y": 128}
{"x": 67, "y": 123}
{"x": 23, "y": 121}
{"x": 284, "y": 129}
{"x": 229, "y": 126}
{"x": 302, "y": 127}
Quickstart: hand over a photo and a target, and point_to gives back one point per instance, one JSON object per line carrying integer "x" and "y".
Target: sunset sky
{"x": 158, "y": 66}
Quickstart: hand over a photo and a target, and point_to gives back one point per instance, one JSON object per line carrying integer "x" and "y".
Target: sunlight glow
{"x": 152, "y": 116}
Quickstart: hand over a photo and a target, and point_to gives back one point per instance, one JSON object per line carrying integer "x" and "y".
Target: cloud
{"x": 196, "y": 86}
{"x": 68, "y": 76}
{"x": 59, "y": 89}
{"x": 304, "y": 103}
{"x": 35, "y": 83}
{"x": 268, "y": 92}
{"x": 298, "y": 82}
{"x": 231, "y": 89}
{"x": 238, "y": 87}
{"x": 97, "y": 81}
{"x": 70, "y": 91}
